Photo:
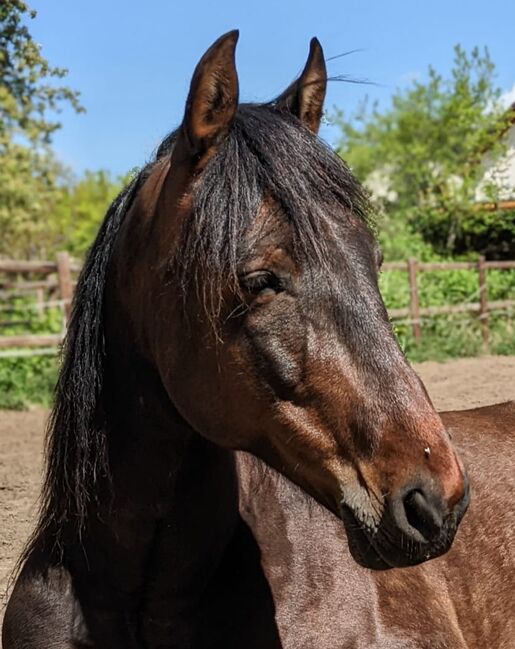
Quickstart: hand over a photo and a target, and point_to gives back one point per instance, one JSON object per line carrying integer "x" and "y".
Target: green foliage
{"x": 398, "y": 242}
{"x": 422, "y": 160}
{"x": 490, "y": 232}
{"x": 21, "y": 315}
{"x": 26, "y": 381}
{"x": 29, "y": 100}
{"x": 27, "y": 95}
{"x": 448, "y": 336}
{"x": 456, "y": 336}
{"x": 42, "y": 208}
{"x": 52, "y": 213}
{"x": 422, "y": 157}
{"x": 80, "y": 209}
{"x": 28, "y": 195}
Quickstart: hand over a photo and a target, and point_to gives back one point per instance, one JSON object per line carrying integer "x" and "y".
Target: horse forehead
{"x": 272, "y": 227}
{"x": 269, "y": 236}
{"x": 271, "y": 221}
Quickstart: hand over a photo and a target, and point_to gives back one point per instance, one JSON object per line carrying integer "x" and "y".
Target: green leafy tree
{"x": 30, "y": 97}
{"x": 422, "y": 158}
{"x": 80, "y": 209}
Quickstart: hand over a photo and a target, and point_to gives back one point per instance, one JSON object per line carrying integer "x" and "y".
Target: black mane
{"x": 76, "y": 453}
{"x": 266, "y": 153}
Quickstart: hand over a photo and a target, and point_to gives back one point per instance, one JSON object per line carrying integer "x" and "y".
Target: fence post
{"x": 40, "y": 298}
{"x": 483, "y": 300}
{"x": 414, "y": 306}
{"x": 65, "y": 281}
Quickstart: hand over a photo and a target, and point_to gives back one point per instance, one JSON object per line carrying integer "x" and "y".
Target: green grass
{"x": 455, "y": 336}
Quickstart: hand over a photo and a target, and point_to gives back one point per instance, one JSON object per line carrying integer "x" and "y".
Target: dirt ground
{"x": 460, "y": 384}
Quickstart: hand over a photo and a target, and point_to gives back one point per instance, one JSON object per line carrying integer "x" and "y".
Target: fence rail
{"x": 56, "y": 282}
{"x": 52, "y": 283}
{"x": 414, "y": 311}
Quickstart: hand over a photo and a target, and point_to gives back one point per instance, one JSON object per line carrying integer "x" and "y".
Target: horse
{"x": 462, "y": 600}
{"x": 230, "y": 306}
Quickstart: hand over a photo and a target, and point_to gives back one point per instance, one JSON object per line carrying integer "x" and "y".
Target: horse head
{"x": 253, "y": 290}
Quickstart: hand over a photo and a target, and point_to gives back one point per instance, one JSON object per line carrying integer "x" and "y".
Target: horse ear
{"x": 213, "y": 96}
{"x": 305, "y": 96}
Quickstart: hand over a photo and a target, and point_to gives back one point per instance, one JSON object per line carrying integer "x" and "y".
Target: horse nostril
{"x": 422, "y": 515}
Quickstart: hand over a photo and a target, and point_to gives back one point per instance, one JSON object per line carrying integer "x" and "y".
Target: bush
{"x": 490, "y": 233}
{"x": 451, "y": 335}
{"x": 27, "y": 380}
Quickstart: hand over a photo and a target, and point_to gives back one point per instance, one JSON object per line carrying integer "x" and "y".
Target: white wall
{"x": 503, "y": 173}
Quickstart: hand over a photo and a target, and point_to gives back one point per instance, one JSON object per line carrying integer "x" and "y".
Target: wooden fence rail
{"x": 53, "y": 288}
{"x": 414, "y": 312}
{"x": 56, "y": 283}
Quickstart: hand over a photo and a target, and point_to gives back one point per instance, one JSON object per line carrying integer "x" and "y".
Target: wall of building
{"x": 502, "y": 173}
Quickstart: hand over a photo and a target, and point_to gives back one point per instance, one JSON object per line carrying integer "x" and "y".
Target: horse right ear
{"x": 213, "y": 96}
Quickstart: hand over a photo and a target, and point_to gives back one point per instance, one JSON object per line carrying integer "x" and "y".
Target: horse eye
{"x": 260, "y": 281}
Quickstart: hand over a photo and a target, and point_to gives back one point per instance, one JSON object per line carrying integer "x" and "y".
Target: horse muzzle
{"x": 416, "y": 525}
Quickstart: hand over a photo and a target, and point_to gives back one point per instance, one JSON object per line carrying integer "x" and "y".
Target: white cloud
{"x": 508, "y": 97}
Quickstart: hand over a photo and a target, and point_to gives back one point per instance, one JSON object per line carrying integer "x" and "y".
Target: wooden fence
{"x": 414, "y": 312}
{"x": 53, "y": 283}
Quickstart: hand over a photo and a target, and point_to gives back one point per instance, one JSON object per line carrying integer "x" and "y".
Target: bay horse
{"x": 462, "y": 600}
{"x": 230, "y": 302}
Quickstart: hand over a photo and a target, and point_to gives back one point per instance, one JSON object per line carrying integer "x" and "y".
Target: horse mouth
{"x": 382, "y": 549}
{"x": 361, "y": 546}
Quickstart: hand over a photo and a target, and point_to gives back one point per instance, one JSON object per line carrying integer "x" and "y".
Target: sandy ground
{"x": 21, "y": 455}
{"x": 454, "y": 385}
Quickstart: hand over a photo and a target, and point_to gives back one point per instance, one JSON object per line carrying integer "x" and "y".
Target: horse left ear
{"x": 305, "y": 96}
{"x": 213, "y": 96}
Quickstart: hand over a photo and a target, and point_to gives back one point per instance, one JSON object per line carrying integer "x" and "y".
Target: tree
{"x": 30, "y": 97}
{"x": 26, "y": 94}
{"x": 81, "y": 208}
{"x": 423, "y": 155}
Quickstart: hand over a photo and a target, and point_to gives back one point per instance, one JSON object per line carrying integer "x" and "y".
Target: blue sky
{"x": 132, "y": 61}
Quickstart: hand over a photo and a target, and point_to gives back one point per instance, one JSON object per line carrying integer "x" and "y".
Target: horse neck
{"x": 157, "y": 460}
{"x": 168, "y": 536}
{"x": 185, "y": 551}
{"x": 167, "y": 543}
{"x": 182, "y": 485}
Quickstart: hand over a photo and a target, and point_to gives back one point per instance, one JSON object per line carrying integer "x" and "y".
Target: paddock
{"x": 458, "y": 384}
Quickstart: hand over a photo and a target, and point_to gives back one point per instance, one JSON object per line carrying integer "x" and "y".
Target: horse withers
{"x": 229, "y": 302}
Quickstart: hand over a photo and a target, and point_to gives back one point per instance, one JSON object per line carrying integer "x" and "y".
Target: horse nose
{"x": 421, "y": 515}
